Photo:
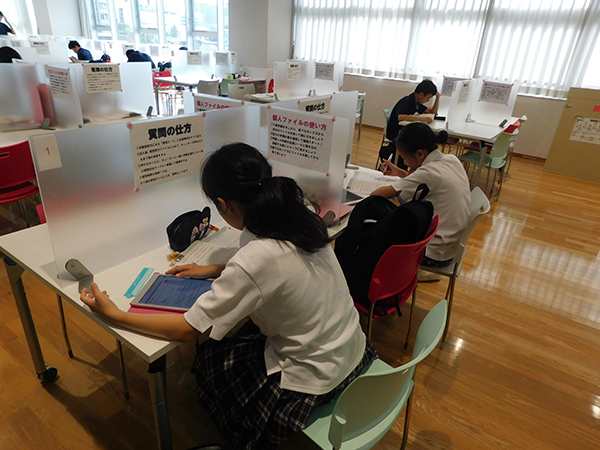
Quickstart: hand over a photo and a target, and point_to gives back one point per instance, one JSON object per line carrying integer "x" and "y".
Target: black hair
{"x": 273, "y": 207}
{"x": 419, "y": 135}
{"x": 73, "y": 44}
{"x": 426, "y": 87}
{"x": 129, "y": 52}
{"x": 183, "y": 48}
{"x": 1, "y": 13}
{"x": 7, "y": 54}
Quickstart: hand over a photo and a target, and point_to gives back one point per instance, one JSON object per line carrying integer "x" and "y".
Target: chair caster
{"x": 48, "y": 376}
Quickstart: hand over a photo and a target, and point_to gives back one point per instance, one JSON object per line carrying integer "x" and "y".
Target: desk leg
{"x": 45, "y": 373}
{"x": 156, "y": 99}
{"x": 157, "y": 378}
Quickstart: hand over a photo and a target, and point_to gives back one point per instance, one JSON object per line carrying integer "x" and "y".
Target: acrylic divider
{"x": 20, "y": 106}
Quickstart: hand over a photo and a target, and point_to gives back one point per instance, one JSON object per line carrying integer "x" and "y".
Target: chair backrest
{"x": 161, "y": 73}
{"x": 480, "y": 205}
{"x": 502, "y": 145}
{"x": 16, "y": 165}
{"x": 397, "y": 269}
{"x": 210, "y": 87}
{"x": 360, "y": 103}
{"x": 386, "y": 113}
{"x": 370, "y": 405}
{"x": 225, "y": 83}
{"x": 238, "y": 91}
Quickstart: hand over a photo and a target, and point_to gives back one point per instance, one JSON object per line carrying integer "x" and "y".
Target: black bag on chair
{"x": 376, "y": 224}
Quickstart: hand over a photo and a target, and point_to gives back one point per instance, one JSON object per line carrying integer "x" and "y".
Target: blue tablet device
{"x": 170, "y": 292}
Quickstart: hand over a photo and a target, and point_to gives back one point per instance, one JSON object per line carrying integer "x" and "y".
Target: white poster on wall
{"x": 495, "y": 92}
{"x": 298, "y": 141}
{"x": 60, "y": 83}
{"x": 294, "y": 71}
{"x": 166, "y": 150}
{"x": 102, "y": 78}
{"x": 321, "y": 106}
{"x": 324, "y": 71}
{"x": 586, "y": 130}
{"x": 194, "y": 58}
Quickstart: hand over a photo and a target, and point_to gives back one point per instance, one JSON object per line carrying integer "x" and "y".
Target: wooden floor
{"x": 520, "y": 370}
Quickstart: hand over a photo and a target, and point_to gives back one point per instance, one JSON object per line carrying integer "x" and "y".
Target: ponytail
{"x": 419, "y": 136}
{"x": 274, "y": 207}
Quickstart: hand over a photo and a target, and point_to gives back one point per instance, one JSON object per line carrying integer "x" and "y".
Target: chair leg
{"x": 64, "y": 325}
{"x": 359, "y": 126}
{"x": 502, "y": 176}
{"x": 24, "y": 212}
{"x": 370, "y": 323}
{"x": 412, "y": 307}
{"x": 123, "y": 373}
{"x": 406, "y": 422}
{"x": 449, "y": 297}
{"x": 487, "y": 181}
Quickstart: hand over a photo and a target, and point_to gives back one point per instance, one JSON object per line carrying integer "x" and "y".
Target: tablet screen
{"x": 172, "y": 292}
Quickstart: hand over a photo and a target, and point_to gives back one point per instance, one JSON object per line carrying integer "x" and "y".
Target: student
{"x": 7, "y": 54}
{"x": 136, "y": 56}
{"x": 302, "y": 344}
{"x": 413, "y": 103}
{"x": 5, "y": 28}
{"x": 448, "y": 186}
{"x": 82, "y": 53}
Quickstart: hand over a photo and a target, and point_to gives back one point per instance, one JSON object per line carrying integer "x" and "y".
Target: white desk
{"x": 30, "y": 250}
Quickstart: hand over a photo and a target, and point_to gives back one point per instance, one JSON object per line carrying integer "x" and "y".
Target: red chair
{"x": 395, "y": 279}
{"x": 163, "y": 73}
{"x": 16, "y": 174}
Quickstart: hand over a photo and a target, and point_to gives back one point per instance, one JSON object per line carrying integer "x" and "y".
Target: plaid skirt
{"x": 250, "y": 408}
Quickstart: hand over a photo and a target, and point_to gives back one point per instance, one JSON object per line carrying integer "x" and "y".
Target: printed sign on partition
{"x": 221, "y": 58}
{"x": 299, "y": 141}
{"x": 102, "y": 78}
{"x": 464, "y": 92}
{"x": 166, "y": 50}
{"x": 208, "y": 103}
{"x": 321, "y": 106}
{"x": 47, "y": 156}
{"x": 587, "y": 130}
{"x": 166, "y": 150}
{"x": 294, "y": 72}
{"x": 234, "y": 59}
{"x": 16, "y": 44}
{"x": 98, "y": 45}
{"x": 448, "y": 85}
{"x": 60, "y": 83}
{"x": 42, "y": 47}
{"x": 324, "y": 71}
{"x": 194, "y": 58}
{"x": 495, "y": 92}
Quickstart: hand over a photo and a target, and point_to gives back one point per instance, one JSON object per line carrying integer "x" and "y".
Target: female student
{"x": 303, "y": 343}
{"x": 448, "y": 186}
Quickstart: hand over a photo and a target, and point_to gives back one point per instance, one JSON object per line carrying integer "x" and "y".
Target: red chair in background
{"x": 163, "y": 73}
{"x": 16, "y": 174}
{"x": 395, "y": 279}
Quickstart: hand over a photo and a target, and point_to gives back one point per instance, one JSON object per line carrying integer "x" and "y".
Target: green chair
{"x": 224, "y": 86}
{"x": 386, "y": 113}
{"x": 370, "y": 405}
{"x": 496, "y": 159}
{"x": 360, "y": 104}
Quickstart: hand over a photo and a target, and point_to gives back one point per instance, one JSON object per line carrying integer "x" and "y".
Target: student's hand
{"x": 437, "y": 95}
{"x": 73, "y": 59}
{"x": 426, "y": 119}
{"x": 195, "y": 271}
{"x": 388, "y": 168}
{"x": 99, "y": 302}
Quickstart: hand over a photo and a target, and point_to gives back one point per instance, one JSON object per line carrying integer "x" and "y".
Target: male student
{"x": 82, "y": 53}
{"x": 5, "y": 28}
{"x": 136, "y": 55}
{"x": 411, "y": 104}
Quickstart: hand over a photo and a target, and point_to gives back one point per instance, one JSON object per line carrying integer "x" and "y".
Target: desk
{"x": 31, "y": 250}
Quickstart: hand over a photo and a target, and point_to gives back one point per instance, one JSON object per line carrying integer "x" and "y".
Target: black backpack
{"x": 376, "y": 224}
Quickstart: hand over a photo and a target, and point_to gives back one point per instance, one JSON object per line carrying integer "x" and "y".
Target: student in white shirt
{"x": 448, "y": 187}
{"x": 303, "y": 343}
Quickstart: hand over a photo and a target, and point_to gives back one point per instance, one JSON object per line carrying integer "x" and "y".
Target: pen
{"x": 212, "y": 227}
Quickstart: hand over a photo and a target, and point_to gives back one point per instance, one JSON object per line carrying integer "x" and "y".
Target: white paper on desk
{"x": 216, "y": 248}
{"x": 363, "y": 183}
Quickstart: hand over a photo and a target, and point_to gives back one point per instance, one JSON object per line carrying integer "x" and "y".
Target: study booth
{"x": 105, "y": 224}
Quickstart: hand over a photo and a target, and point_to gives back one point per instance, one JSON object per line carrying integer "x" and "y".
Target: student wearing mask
{"x": 302, "y": 344}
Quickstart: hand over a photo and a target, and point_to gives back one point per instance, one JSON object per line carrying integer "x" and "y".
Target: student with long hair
{"x": 448, "y": 186}
{"x": 302, "y": 344}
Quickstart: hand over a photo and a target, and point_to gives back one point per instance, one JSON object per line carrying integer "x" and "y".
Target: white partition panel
{"x": 184, "y": 71}
{"x": 20, "y": 105}
{"x": 67, "y": 111}
{"x": 460, "y": 103}
{"x": 287, "y": 88}
{"x": 51, "y": 51}
{"x": 94, "y": 215}
{"x": 225, "y": 126}
{"x": 136, "y": 95}
{"x": 322, "y": 86}
{"x": 498, "y": 109}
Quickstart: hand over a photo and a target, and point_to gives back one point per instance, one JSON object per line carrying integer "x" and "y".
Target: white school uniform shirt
{"x": 451, "y": 197}
{"x": 299, "y": 300}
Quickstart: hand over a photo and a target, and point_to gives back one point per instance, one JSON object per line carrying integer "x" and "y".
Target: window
{"x": 544, "y": 45}
{"x": 197, "y": 24}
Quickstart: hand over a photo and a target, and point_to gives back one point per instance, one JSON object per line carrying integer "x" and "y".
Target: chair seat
{"x": 446, "y": 271}
{"x": 19, "y": 192}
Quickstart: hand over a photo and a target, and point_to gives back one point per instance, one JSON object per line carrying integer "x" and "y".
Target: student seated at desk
{"x": 448, "y": 186}
{"x": 82, "y": 53}
{"x": 137, "y": 56}
{"x": 7, "y": 54}
{"x": 5, "y": 28}
{"x": 303, "y": 343}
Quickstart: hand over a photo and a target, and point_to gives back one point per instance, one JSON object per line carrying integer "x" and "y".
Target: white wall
{"x": 58, "y": 17}
{"x": 535, "y": 137}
